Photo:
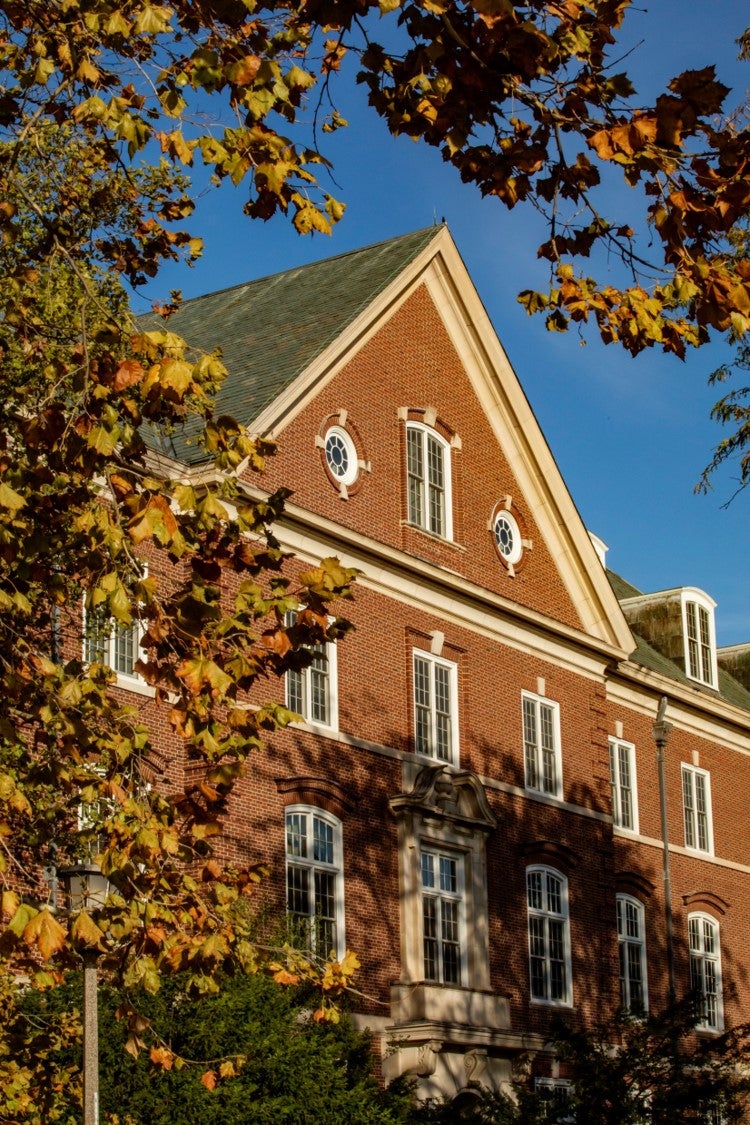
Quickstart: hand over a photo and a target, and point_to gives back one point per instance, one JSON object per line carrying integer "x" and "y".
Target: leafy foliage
{"x": 522, "y": 98}
{"x": 250, "y": 1055}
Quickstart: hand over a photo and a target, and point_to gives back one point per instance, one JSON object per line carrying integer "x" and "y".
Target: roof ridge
{"x": 290, "y": 271}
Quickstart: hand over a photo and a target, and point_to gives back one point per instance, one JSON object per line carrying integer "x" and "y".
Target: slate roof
{"x": 271, "y": 329}
{"x": 648, "y": 657}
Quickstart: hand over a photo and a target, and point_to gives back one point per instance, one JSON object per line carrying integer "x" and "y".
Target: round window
{"x": 507, "y": 537}
{"x": 341, "y": 455}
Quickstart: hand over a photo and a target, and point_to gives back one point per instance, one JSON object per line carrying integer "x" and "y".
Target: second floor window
{"x": 696, "y": 804}
{"x": 442, "y": 921}
{"x": 705, "y": 970}
{"x": 311, "y": 692}
{"x": 435, "y": 725}
{"x": 428, "y": 480}
{"x": 622, "y": 775}
{"x": 314, "y": 881}
{"x": 107, "y": 642}
{"x": 541, "y": 745}
{"x": 549, "y": 935}
{"x": 631, "y": 940}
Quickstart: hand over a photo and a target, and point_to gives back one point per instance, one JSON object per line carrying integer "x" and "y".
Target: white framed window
{"x": 443, "y": 923}
{"x": 108, "y": 642}
{"x": 696, "y": 807}
{"x": 700, "y": 638}
{"x": 631, "y": 941}
{"x": 428, "y": 480}
{"x": 549, "y": 935}
{"x": 435, "y": 707}
{"x": 313, "y": 691}
{"x": 314, "y": 878}
{"x": 624, "y": 790}
{"x": 705, "y": 970}
{"x": 541, "y": 744}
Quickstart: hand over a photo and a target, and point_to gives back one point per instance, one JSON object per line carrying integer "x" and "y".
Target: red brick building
{"x": 474, "y": 801}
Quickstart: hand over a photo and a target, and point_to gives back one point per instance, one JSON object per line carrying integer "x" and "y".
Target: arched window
{"x": 549, "y": 935}
{"x": 705, "y": 970}
{"x": 314, "y": 877}
{"x": 631, "y": 940}
{"x": 428, "y": 480}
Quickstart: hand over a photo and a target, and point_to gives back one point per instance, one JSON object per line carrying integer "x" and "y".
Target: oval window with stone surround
{"x": 507, "y": 537}
{"x": 341, "y": 455}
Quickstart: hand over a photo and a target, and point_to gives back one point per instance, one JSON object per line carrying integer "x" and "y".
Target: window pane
{"x": 415, "y": 476}
{"x": 124, "y": 649}
{"x": 322, "y": 841}
{"x": 529, "y": 741}
{"x": 294, "y": 696}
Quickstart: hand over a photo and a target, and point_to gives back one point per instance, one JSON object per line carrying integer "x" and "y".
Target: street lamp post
{"x": 86, "y": 886}
{"x": 661, "y": 731}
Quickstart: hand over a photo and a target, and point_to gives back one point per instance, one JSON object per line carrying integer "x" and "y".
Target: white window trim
{"x": 538, "y": 702}
{"x": 701, "y": 674}
{"x": 702, "y": 917}
{"x": 567, "y": 1000}
{"x": 640, "y": 941}
{"x": 436, "y": 661}
{"x": 447, "y": 531}
{"x": 438, "y": 851}
{"x": 616, "y": 747}
{"x": 693, "y": 772}
{"x": 311, "y": 865}
{"x": 332, "y": 680}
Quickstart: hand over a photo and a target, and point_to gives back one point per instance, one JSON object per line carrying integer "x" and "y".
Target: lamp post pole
{"x": 90, "y": 1039}
{"x": 86, "y": 886}
{"x": 661, "y": 731}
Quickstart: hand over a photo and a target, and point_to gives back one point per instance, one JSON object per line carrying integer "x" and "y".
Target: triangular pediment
{"x": 435, "y": 264}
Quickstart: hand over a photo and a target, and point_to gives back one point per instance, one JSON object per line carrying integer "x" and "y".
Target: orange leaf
{"x": 162, "y": 1057}
{"x": 283, "y": 976}
{"x": 209, "y": 1079}
{"x": 130, "y": 371}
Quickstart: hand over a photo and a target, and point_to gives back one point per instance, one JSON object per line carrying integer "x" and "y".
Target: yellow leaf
{"x": 46, "y": 933}
{"x": 9, "y": 498}
{"x": 152, "y": 21}
{"x": 10, "y": 902}
{"x": 85, "y": 930}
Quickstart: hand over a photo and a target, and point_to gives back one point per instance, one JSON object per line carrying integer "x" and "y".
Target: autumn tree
{"x": 263, "y": 1060}
{"x": 93, "y": 528}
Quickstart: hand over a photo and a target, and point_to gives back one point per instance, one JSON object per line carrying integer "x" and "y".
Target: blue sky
{"x": 630, "y": 436}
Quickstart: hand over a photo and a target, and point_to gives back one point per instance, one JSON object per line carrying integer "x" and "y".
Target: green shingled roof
{"x": 271, "y": 329}
{"x": 648, "y": 657}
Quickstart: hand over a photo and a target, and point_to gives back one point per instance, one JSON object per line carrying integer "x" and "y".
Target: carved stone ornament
{"x": 457, "y": 796}
{"x": 475, "y": 1066}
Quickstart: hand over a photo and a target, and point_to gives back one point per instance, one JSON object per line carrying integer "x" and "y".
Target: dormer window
{"x": 679, "y": 623}
{"x": 700, "y": 637}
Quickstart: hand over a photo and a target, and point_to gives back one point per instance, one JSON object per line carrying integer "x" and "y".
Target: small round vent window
{"x": 341, "y": 455}
{"x": 507, "y": 537}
